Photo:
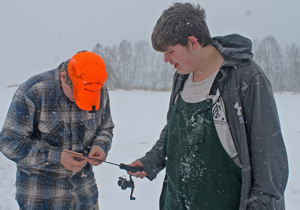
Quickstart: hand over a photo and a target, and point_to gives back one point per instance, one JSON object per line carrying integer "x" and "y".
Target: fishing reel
{"x": 124, "y": 184}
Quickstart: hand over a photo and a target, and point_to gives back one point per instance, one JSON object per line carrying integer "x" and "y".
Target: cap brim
{"x": 87, "y": 99}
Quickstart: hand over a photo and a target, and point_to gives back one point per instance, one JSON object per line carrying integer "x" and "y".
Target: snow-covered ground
{"x": 139, "y": 117}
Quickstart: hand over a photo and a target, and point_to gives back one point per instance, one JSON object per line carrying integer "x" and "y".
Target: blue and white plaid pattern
{"x": 42, "y": 121}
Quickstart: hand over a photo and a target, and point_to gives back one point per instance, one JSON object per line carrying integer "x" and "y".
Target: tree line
{"x": 282, "y": 66}
{"x": 137, "y": 66}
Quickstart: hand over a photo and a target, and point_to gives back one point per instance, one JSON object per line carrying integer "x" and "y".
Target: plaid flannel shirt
{"x": 42, "y": 121}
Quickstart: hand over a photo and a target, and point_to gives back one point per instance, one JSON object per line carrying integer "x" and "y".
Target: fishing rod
{"x": 122, "y": 182}
{"x": 121, "y": 166}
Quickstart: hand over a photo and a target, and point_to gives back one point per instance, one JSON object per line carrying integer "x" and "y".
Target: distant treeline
{"x": 137, "y": 66}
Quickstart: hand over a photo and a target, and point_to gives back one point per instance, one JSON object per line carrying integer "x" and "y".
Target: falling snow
{"x": 139, "y": 117}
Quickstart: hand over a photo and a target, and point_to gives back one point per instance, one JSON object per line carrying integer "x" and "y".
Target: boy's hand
{"x": 72, "y": 161}
{"x": 96, "y": 153}
{"x": 139, "y": 174}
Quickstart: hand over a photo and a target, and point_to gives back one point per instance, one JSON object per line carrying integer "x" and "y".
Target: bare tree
{"x": 141, "y": 61}
{"x": 98, "y": 49}
{"x": 292, "y": 54}
{"x": 125, "y": 52}
{"x": 155, "y": 67}
{"x": 269, "y": 56}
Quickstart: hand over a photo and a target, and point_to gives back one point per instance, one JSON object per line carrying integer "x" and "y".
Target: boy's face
{"x": 181, "y": 57}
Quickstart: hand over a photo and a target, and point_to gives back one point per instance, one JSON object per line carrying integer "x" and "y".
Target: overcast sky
{"x": 37, "y": 35}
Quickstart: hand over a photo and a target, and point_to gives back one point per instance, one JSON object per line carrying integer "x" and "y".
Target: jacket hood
{"x": 234, "y": 48}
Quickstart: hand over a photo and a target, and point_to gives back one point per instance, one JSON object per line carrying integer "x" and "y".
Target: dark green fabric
{"x": 201, "y": 175}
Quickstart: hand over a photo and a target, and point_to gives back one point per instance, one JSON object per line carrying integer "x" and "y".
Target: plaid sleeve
{"x": 16, "y": 138}
{"x": 105, "y": 129}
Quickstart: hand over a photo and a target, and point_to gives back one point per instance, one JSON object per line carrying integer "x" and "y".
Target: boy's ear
{"x": 193, "y": 42}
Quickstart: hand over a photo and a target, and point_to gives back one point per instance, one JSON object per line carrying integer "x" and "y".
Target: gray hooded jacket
{"x": 253, "y": 121}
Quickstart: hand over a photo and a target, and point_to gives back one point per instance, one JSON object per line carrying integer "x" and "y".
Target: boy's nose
{"x": 166, "y": 57}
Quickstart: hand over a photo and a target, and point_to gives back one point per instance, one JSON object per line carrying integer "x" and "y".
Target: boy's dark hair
{"x": 177, "y": 23}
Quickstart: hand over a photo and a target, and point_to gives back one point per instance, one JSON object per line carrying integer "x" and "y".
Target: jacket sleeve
{"x": 105, "y": 125}
{"x": 267, "y": 151}
{"x": 17, "y": 141}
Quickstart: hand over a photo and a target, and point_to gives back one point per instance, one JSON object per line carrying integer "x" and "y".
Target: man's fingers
{"x": 96, "y": 161}
{"x": 97, "y": 156}
{"x": 72, "y": 161}
{"x": 75, "y": 165}
{"x": 79, "y": 163}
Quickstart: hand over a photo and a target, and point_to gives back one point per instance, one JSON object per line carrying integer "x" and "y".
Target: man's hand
{"x": 70, "y": 160}
{"x": 139, "y": 174}
{"x": 96, "y": 153}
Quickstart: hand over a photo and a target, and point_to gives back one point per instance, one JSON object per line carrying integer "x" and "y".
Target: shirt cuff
{"x": 103, "y": 146}
{"x": 54, "y": 155}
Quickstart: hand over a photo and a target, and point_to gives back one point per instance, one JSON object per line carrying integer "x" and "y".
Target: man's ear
{"x": 63, "y": 76}
{"x": 193, "y": 42}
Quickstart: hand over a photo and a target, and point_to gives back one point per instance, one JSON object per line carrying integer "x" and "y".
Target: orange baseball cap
{"x": 88, "y": 74}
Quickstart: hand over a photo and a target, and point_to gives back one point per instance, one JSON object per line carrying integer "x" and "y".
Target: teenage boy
{"x": 57, "y": 121}
{"x": 222, "y": 145}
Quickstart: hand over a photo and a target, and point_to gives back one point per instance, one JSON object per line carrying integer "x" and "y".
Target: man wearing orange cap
{"x": 58, "y": 123}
